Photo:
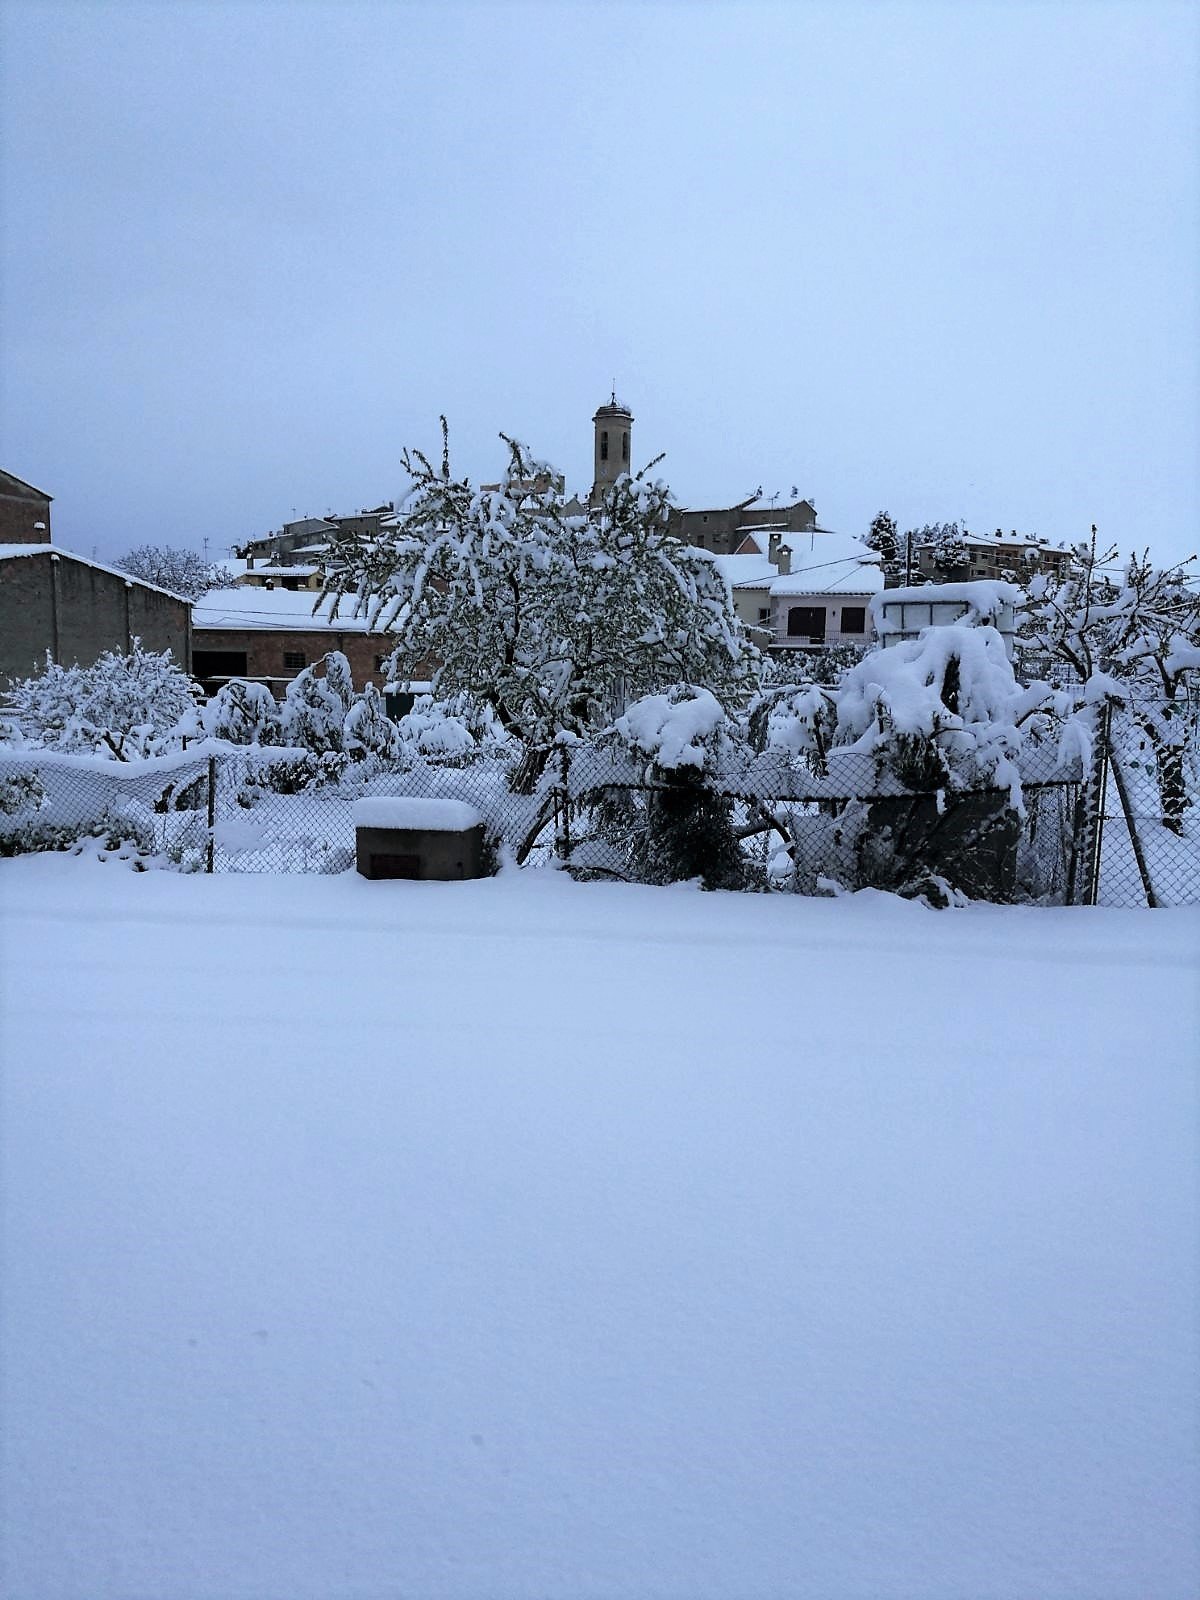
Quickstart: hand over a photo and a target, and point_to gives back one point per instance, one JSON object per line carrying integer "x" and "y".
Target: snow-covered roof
{"x": 9, "y": 552}
{"x": 248, "y": 607}
{"x": 428, "y": 814}
{"x": 987, "y": 599}
{"x": 746, "y": 571}
{"x": 299, "y": 570}
{"x": 1003, "y": 541}
{"x": 984, "y": 594}
{"x": 823, "y": 562}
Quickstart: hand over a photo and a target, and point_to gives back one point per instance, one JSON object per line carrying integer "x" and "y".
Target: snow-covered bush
{"x": 124, "y": 706}
{"x": 313, "y": 714}
{"x": 680, "y": 738}
{"x": 368, "y": 731}
{"x": 242, "y": 713}
{"x": 21, "y": 792}
{"x": 454, "y": 732}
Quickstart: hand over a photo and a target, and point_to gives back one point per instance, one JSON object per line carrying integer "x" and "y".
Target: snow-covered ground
{"x": 526, "y": 1238}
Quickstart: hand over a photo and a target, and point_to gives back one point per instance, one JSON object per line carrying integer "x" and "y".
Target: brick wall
{"x": 266, "y": 651}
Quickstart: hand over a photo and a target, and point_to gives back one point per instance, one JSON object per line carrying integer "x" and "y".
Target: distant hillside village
{"x": 796, "y": 585}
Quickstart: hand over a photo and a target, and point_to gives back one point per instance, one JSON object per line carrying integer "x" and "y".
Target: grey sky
{"x": 939, "y": 258}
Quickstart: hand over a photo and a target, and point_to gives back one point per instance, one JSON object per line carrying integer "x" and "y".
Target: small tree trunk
{"x": 529, "y": 769}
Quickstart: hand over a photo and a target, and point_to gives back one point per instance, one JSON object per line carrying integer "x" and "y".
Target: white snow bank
{"x": 410, "y": 811}
{"x": 548, "y": 1267}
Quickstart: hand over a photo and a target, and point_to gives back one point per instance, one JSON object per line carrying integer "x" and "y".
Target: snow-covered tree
{"x": 242, "y": 713}
{"x": 124, "y": 706}
{"x": 947, "y": 542}
{"x": 549, "y": 615}
{"x": 884, "y": 537}
{"x": 314, "y": 709}
{"x": 367, "y": 729}
{"x": 1138, "y": 629}
{"x": 181, "y": 571}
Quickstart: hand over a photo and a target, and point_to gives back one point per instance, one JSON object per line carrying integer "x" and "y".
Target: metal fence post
{"x": 1097, "y": 795}
{"x": 1135, "y": 838}
{"x": 212, "y": 812}
{"x": 565, "y": 803}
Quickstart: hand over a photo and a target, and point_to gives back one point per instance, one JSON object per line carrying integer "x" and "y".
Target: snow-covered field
{"x": 526, "y": 1238}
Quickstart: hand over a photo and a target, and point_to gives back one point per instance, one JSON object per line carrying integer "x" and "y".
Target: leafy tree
{"x": 124, "y": 706}
{"x": 549, "y": 615}
{"x": 181, "y": 571}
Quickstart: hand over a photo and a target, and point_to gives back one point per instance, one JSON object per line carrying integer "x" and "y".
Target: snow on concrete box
{"x": 410, "y": 837}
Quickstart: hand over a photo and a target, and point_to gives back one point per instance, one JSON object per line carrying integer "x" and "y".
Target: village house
{"x": 1015, "y": 557}
{"x": 269, "y": 636}
{"x": 803, "y": 591}
{"x": 24, "y": 512}
{"x": 74, "y": 608}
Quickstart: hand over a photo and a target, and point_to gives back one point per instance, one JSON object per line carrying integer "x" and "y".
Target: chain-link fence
{"x": 1128, "y": 835}
{"x": 246, "y": 810}
{"x": 1142, "y": 805}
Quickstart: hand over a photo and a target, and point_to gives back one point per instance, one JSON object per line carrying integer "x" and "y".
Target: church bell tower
{"x": 613, "y": 425}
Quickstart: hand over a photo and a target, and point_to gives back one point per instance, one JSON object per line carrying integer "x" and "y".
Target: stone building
{"x": 24, "y": 512}
{"x": 51, "y": 600}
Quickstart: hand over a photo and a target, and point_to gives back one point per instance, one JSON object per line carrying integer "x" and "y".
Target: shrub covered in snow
{"x": 315, "y": 705}
{"x": 680, "y": 739}
{"x": 368, "y": 731}
{"x": 125, "y": 706}
{"x": 454, "y": 732}
{"x": 242, "y": 713}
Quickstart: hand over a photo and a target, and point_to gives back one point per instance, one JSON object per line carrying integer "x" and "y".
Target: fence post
{"x": 564, "y": 848}
{"x": 1097, "y": 795}
{"x": 1139, "y": 854}
{"x": 212, "y": 812}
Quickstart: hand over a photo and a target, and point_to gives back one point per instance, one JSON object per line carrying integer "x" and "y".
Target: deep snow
{"x": 525, "y": 1238}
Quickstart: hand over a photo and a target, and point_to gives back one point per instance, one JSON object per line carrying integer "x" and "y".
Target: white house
{"x": 804, "y": 591}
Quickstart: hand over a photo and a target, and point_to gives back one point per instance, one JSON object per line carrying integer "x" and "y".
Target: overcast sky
{"x": 935, "y": 257}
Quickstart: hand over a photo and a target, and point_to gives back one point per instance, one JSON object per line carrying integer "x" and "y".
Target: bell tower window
{"x": 624, "y": 447}
{"x": 604, "y": 445}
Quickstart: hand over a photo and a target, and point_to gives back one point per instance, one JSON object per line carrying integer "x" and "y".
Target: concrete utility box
{"x": 424, "y": 839}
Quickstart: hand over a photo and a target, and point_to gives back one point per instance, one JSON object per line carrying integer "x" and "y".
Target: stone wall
{"x": 50, "y": 601}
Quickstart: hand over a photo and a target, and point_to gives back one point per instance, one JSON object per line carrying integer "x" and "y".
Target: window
{"x": 624, "y": 447}
{"x": 604, "y": 445}
{"x": 764, "y": 613}
{"x": 807, "y": 622}
{"x": 219, "y": 663}
{"x": 293, "y": 660}
{"x": 854, "y": 619}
